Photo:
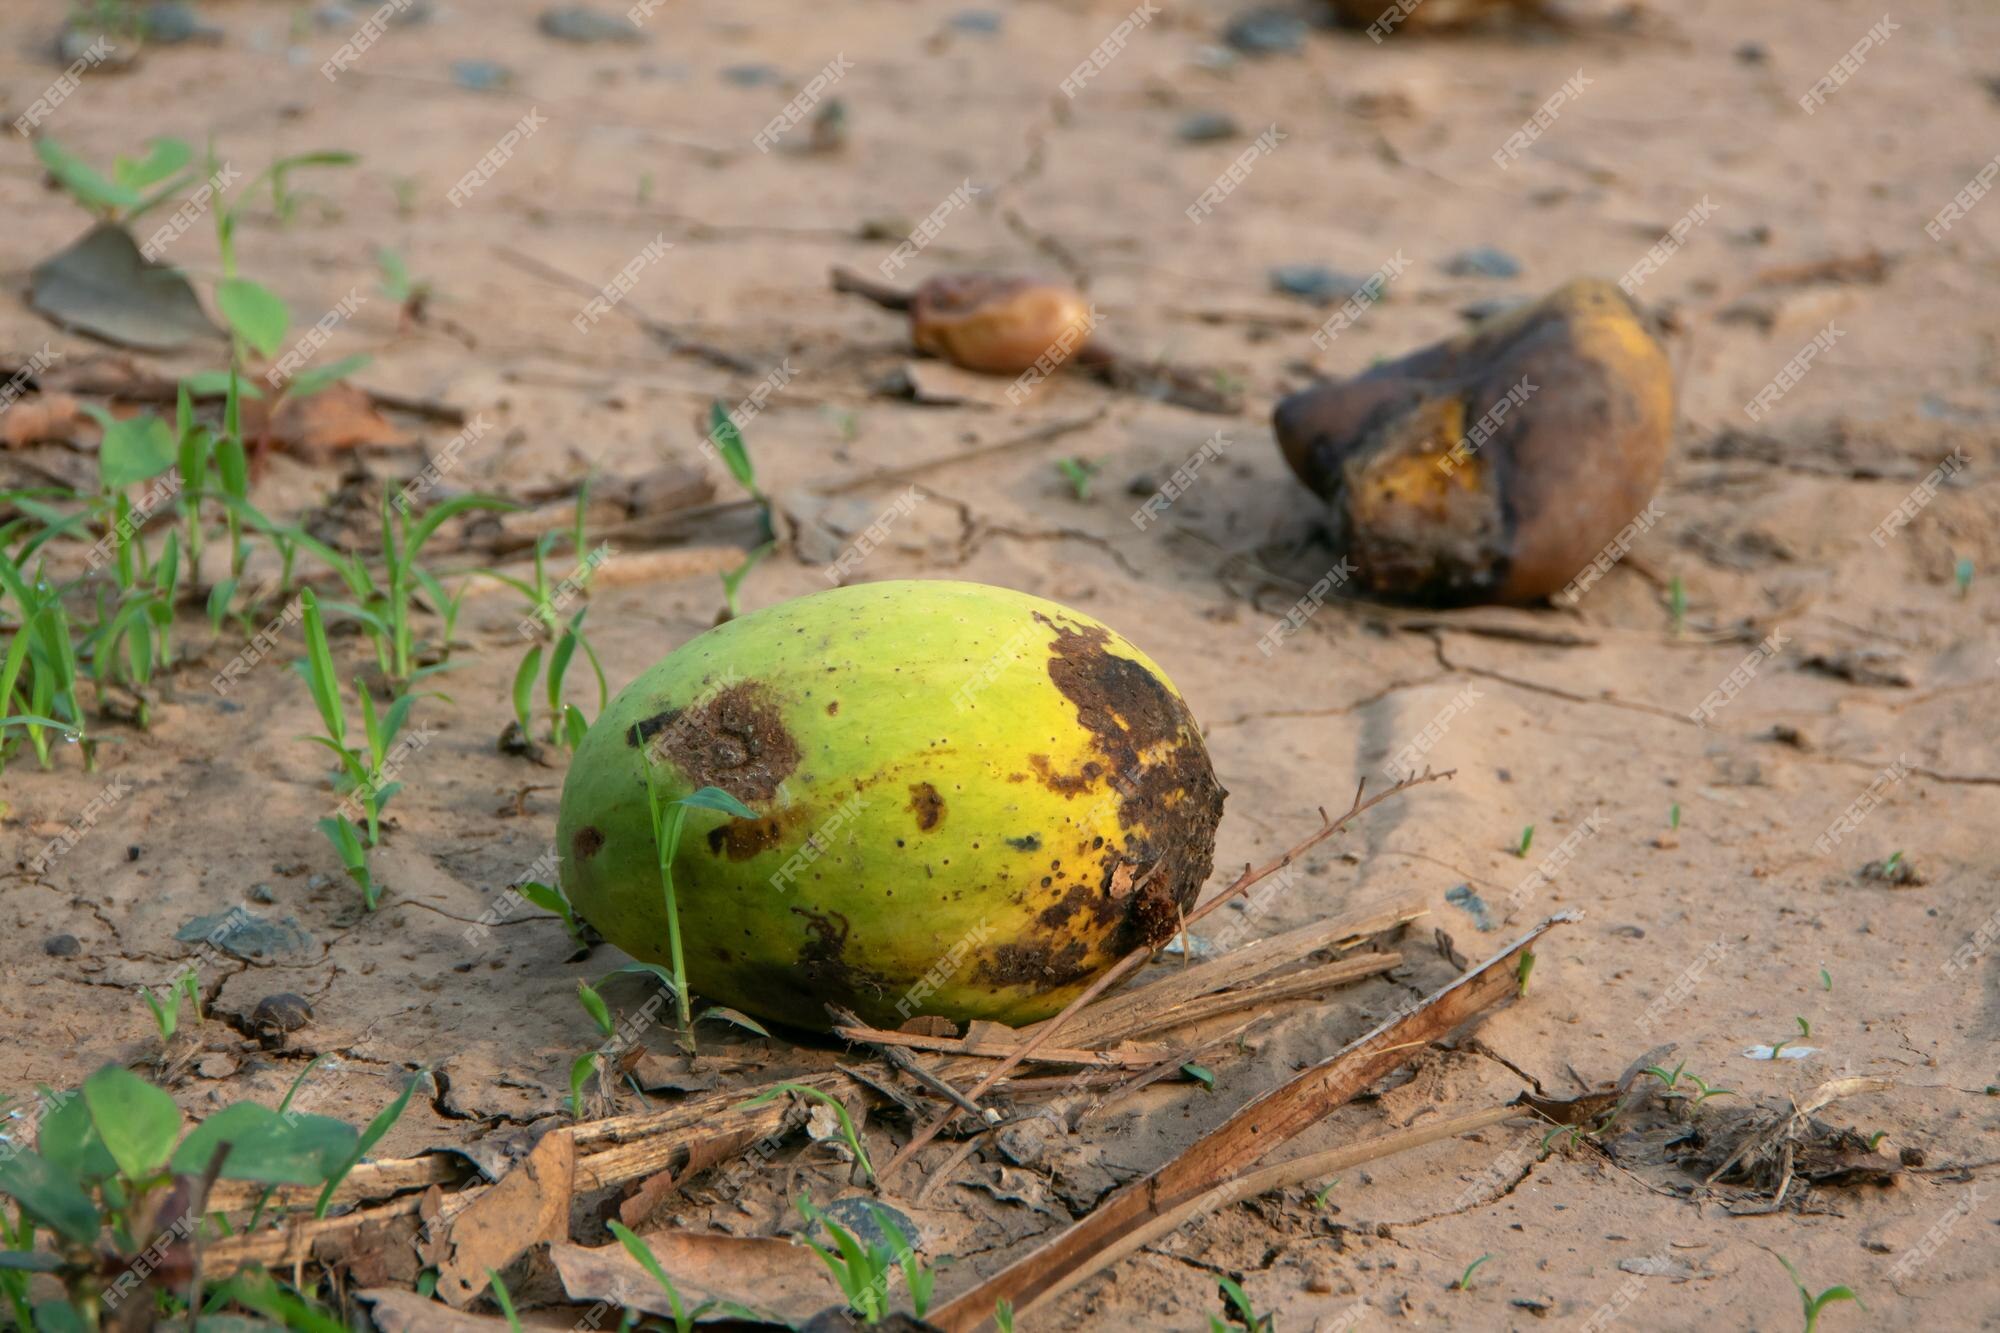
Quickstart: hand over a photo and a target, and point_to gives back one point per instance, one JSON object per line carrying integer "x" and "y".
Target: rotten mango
{"x": 1496, "y": 465}
{"x": 968, "y": 802}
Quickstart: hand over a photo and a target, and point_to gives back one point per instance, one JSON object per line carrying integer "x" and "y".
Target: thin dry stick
{"x": 1131, "y": 962}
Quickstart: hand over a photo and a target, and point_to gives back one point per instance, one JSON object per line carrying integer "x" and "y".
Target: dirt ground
{"x": 1715, "y": 936}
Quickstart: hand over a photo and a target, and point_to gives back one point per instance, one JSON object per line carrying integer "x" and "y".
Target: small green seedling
{"x": 1703, "y": 1092}
{"x": 1464, "y": 1282}
{"x": 1522, "y": 971}
{"x": 668, "y": 818}
{"x": 1671, "y": 1080}
{"x": 505, "y": 1300}
{"x": 1242, "y": 1314}
{"x": 732, "y": 580}
{"x": 1003, "y": 1315}
{"x": 1527, "y": 841}
{"x": 1814, "y": 1304}
{"x": 1962, "y": 574}
{"x": 1876, "y": 1138}
{"x": 1825, "y": 979}
{"x": 1079, "y": 473}
{"x": 1677, "y": 603}
{"x": 1805, "y": 1031}
{"x": 861, "y": 1270}
{"x": 1674, "y": 817}
{"x": 847, "y": 1130}
{"x": 134, "y": 185}
{"x": 1889, "y": 866}
{"x": 550, "y": 898}
{"x": 1319, "y": 1199}
{"x": 735, "y": 454}
{"x": 398, "y": 286}
{"x": 1201, "y": 1074}
{"x": 167, "y": 1012}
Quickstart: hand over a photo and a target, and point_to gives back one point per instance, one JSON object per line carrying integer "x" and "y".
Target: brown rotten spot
{"x": 1001, "y": 324}
{"x": 1496, "y": 465}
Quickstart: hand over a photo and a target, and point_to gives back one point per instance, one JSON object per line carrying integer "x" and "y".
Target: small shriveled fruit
{"x": 995, "y": 323}
{"x": 968, "y": 802}
{"x": 1496, "y": 465}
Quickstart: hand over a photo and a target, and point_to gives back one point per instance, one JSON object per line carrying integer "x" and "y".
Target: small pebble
{"x": 581, "y": 23}
{"x": 284, "y": 1012}
{"x": 1314, "y": 282}
{"x": 481, "y": 76}
{"x": 261, "y": 893}
{"x": 62, "y": 946}
{"x": 1483, "y": 262}
{"x": 216, "y": 1064}
{"x": 751, "y": 76}
{"x": 976, "y": 20}
{"x": 1206, "y": 127}
{"x": 1266, "y": 32}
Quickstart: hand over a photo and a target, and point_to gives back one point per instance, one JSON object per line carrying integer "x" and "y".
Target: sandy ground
{"x": 1579, "y": 723}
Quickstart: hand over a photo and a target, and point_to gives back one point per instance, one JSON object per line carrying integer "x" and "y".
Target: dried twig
{"x": 1228, "y": 1152}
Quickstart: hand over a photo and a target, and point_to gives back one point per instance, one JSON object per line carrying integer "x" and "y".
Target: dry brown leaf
{"x": 43, "y": 418}
{"x": 527, "y": 1206}
{"x": 339, "y": 416}
{"x": 773, "y": 1277}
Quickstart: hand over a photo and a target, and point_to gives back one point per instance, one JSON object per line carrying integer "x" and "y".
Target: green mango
{"x": 968, "y": 802}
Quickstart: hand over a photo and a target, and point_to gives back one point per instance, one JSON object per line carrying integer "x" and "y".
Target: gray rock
{"x": 582, "y": 24}
{"x": 1483, "y": 261}
{"x": 1206, "y": 127}
{"x": 1314, "y": 282}
{"x": 1266, "y": 32}
{"x": 62, "y": 946}
{"x": 245, "y": 934}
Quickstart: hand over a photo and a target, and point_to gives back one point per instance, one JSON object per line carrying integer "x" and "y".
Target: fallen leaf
{"x": 529, "y": 1205}
{"x": 339, "y": 416}
{"x": 104, "y": 287}
{"x": 774, "y": 1277}
{"x": 37, "y": 420}
{"x": 406, "y": 1312}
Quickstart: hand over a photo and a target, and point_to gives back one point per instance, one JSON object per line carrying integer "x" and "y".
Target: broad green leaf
{"x": 164, "y": 157}
{"x": 309, "y": 382}
{"x": 267, "y": 1147}
{"x": 254, "y": 312}
{"x": 135, "y": 449}
{"x": 50, "y": 1196}
{"x": 83, "y": 181}
{"x": 136, "y": 1120}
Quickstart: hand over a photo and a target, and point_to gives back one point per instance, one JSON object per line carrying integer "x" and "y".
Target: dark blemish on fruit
{"x": 735, "y": 739}
{"x": 927, "y": 805}
{"x": 586, "y": 844}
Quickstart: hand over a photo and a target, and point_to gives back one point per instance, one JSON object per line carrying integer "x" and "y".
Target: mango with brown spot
{"x": 968, "y": 802}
